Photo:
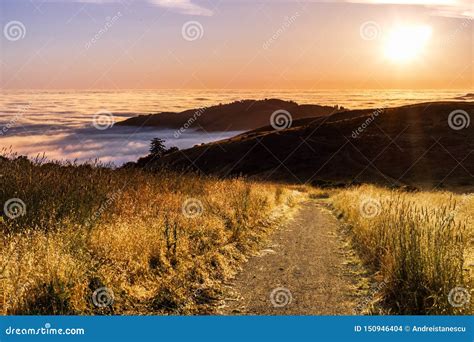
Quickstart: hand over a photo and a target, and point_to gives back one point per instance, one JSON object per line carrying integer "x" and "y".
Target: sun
{"x": 405, "y": 43}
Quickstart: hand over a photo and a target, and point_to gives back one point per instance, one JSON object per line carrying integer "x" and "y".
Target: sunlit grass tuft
{"x": 420, "y": 243}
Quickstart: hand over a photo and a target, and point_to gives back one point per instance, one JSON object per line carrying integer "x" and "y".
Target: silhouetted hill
{"x": 405, "y": 145}
{"x": 237, "y": 116}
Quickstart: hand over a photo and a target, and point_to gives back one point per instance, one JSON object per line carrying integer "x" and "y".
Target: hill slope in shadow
{"x": 236, "y": 116}
{"x": 416, "y": 145}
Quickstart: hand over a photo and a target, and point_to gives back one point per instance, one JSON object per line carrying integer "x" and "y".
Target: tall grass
{"x": 161, "y": 243}
{"x": 420, "y": 243}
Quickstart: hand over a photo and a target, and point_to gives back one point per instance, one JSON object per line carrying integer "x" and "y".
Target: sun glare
{"x": 405, "y": 43}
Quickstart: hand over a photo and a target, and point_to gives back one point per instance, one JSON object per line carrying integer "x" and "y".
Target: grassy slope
{"x": 90, "y": 227}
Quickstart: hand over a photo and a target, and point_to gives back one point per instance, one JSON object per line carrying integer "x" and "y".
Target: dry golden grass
{"x": 162, "y": 243}
{"x": 421, "y": 244}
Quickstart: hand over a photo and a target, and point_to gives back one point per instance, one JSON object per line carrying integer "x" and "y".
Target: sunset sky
{"x": 92, "y": 44}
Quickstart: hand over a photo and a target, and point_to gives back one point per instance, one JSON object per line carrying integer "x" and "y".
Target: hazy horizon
{"x": 60, "y": 123}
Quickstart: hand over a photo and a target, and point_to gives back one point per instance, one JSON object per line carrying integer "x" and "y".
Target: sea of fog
{"x": 60, "y": 124}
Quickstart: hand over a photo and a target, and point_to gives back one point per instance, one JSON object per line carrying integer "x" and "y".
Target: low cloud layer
{"x": 115, "y": 145}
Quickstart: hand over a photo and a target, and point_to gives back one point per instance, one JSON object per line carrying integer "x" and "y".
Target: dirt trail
{"x": 302, "y": 271}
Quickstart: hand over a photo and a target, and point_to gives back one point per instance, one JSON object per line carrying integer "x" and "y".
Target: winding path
{"x": 302, "y": 271}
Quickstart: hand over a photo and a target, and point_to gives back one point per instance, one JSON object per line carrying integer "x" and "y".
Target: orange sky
{"x": 236, "y": 44}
